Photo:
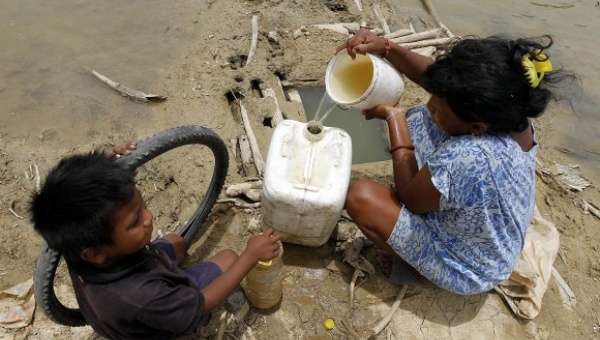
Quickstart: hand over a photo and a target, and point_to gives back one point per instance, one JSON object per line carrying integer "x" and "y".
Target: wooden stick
{"x": 384, "y": 322}
{"x": 254, "y": 42}
{"x": 258, "y": 160}
{"x": 126, "y": 91}
{"x": 381, "y": 19}
{"x": 418, "y": 36}
{"x": 425, "y": 43}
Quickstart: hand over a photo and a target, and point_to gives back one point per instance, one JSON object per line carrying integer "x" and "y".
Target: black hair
{"x": 74, "y": 208}
{"x": 483, "y": 80}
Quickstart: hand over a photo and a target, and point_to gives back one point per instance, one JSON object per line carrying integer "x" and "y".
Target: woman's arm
{"x": 409, "y": 63}
{"x": 414, "y": 187}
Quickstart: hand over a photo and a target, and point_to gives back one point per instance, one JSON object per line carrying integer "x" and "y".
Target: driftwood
{"x": 399, "y": 33}
{"x": 381, "y": 19}
{"x": 277, "y": 116}
{"x": 254, "y": 42}
{"x": 425, "y": 43}
{"x": 435, "y": 33}
{"x": 127, "y": 91}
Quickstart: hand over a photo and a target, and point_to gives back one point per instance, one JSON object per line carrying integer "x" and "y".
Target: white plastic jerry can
{"x": 306, "y": 180}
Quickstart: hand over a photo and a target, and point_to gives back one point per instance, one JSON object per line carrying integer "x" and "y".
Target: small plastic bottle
{"x": 263, "y": 282}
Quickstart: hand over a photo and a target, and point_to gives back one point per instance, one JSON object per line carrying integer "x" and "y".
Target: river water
{"x": 43, "y": 86}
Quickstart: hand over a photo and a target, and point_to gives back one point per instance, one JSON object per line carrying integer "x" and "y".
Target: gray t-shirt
{"x": 145, "y": 296}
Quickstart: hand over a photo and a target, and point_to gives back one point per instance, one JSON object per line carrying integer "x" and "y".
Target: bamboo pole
{"x": 434, "y": 33}
{"x": 425, "y": 43}
{"x": 399, "y": 33}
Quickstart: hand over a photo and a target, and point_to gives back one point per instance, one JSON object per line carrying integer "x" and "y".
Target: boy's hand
{"x": 121, "y": 150}
{"x": 263, "y": 247}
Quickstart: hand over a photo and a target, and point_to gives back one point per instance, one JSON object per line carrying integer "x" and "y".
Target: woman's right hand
{"x": 382, "y": 112}
{"x": 263, "y": 247}
{"x": 364, "y": 41}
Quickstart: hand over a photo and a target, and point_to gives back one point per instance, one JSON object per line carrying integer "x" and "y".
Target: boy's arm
{"x": 260, "y": 247}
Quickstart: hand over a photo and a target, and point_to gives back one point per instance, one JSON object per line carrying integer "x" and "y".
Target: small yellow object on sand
{"x": 329, "y": 324}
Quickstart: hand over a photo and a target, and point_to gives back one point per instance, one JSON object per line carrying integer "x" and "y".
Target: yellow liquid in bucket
{"x": 350, "y": 82}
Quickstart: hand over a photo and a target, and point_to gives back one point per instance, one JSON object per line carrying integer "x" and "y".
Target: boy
{"x": 126, "y": 286}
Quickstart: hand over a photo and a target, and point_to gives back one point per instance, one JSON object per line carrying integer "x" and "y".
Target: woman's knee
{"x": 359, "y": 195}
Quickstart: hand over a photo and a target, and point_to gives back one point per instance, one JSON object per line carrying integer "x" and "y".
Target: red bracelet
{"x": 387, "y": 48}
{"x": 398, "y": 147}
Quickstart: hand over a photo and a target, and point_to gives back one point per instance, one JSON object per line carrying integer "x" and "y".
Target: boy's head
{"x": 80, "y": 202}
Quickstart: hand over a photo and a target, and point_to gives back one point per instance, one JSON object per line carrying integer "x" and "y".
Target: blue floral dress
{"x": 487, "y": 186}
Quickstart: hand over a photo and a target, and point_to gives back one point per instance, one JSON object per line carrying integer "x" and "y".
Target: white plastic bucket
{"x": 307, "y": 174}
{"x": 364, "y": 82}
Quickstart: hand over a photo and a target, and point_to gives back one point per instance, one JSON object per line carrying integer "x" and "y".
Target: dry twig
{"x": 127, "y": 91}
{"x": 14, "y": 213}
{"x": 384, "y": 322}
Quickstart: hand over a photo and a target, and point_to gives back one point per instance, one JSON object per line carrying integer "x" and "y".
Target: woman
{"x": 464, "y": 165}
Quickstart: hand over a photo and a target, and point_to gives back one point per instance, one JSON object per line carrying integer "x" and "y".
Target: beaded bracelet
{"x": 398, "y": 147}
{"x": 387, "y": 48}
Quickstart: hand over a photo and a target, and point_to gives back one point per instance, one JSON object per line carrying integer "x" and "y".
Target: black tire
{"x": 146, "y": 150}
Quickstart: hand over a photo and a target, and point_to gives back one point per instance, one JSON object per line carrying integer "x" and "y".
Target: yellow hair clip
{"x": 535, "y": 69}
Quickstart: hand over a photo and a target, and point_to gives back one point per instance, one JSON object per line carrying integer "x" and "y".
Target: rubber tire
{"x": 148, "y": 149}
